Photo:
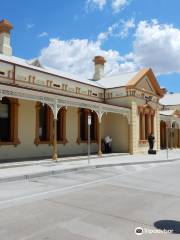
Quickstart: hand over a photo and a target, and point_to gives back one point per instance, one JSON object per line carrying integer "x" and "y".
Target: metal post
{"x": 99, "y": 151}
{"x": 54, "y": 157}
{"x": 171, "y": 137}
{"x": 89, "y": 137}
{"x": 167, "y": 142}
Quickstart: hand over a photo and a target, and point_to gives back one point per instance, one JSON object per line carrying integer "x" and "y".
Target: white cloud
{"x": 110, "y": 32}
{"x": 75, "y": 56}
{"x": 157, "y": 46}
{"x": 126, "y": 26}
{"x": 29, "y": 26}
{"x": 118, "y": 29}
{"x": 43, "y": 34}
{"x": 96, "y": 4}
{"x": 118, "y": 5}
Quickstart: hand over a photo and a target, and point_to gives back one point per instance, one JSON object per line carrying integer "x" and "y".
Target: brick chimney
{"x": 5, "y": 28}
{"x": 99, "y": 67}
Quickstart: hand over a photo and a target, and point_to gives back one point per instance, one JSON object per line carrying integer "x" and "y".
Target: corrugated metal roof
{"x": 117, "y": 81}
{"x": 171, "y": 99}
{"x": 49, "y": 70}
{"x": 167, "y": 112}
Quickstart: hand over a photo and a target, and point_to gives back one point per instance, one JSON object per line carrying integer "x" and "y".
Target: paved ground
{"x": 29, "y": 169}
{"x": 103, "y": 204}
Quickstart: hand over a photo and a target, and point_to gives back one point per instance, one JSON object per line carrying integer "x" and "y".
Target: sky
{"x": 130, "y": 34}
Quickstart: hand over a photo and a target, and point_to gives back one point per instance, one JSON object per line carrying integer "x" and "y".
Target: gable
{"x": 146, "y": 79}
{"x": 146, "y": 85}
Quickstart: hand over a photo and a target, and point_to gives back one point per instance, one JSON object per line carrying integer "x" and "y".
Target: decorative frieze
{"x": 40, "y": 82}
{"x": 64, "y": 87}
{"x": 37, "y": 79}
{"x": 49, "y": 83}
{"x": 89, "y": 92}
{"x": 78, "y": 90}
{"x": 56, "y": 102}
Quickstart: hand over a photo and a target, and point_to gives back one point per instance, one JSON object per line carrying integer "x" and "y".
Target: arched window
{"x": 61, "y": 126}
{"x": 147, "y": 126}
{"x": 140, "y": 124}
{"x": 83, "y": 125}
{"x": 44, "y": 124}
{"x": 83, "y": 115}
{"x": 152, "y": 123}
{"x": 5, "y": 120}
{"x": 146, "y": 122}
{"x": 175, "y": 134}
{"x": 9, "y": 121}
{"x": 163, "y": 134}
{"x": 93, "y": 128}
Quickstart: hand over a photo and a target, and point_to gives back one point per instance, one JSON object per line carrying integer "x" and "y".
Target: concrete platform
{"x": 30, "y": 169}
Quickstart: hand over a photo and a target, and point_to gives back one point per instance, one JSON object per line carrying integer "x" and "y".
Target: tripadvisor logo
{"x": 138, "y": 231}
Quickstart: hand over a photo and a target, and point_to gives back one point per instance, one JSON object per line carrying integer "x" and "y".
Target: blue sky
{"x": 131, "y": 34}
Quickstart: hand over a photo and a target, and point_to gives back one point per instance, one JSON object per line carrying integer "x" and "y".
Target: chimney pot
{"x": 5, "y": 28}
{"x": 99, "y": 60}
{"x": 99, "y": 67}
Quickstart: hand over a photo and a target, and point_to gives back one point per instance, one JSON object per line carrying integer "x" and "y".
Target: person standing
{"x": 108, "y": 144}
{"x": 151, "y": 140}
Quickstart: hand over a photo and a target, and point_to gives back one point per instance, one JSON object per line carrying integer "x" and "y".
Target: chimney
{"x": 99, "y": 67}
{"x": 5, "y": 28}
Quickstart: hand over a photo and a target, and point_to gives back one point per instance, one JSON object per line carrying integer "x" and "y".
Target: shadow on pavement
{"x": 168, "y": 225}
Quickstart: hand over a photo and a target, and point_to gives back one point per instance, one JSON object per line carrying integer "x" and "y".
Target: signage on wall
{"x": 148, "y": 98}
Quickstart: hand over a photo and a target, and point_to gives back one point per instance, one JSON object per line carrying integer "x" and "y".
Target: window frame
{"x": 62, "y": 113}
{"x": 50, "y": 126}
{"x": 14, "y": 108}
{"x": 146, "y": 122}
{"x": 86, "y": 112}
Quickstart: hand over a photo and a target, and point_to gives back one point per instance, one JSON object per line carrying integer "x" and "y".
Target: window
{"x": 44, "y": 124}
{"x": 83, "y": 125}
{"x": 93, "y": 127}
{"x": 9, "y": 121}
{"x": 146, "y": 126}
{"x": 5, "y": 120}
{"x": 146, "y": 122}
{"x": 61, "y": 126}
{"x": 152, "y": 123}
{"x": 140, "y": 124}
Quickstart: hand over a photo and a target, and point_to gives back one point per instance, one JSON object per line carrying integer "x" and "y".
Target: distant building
{"x": 170, "y": 121}
{"x": 44, "y": 112}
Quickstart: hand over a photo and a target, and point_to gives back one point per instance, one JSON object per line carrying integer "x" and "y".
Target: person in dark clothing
{"x": 106, "y": 147}
{"x": 151, "y": 139}
{"x": 108, "y": 144}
